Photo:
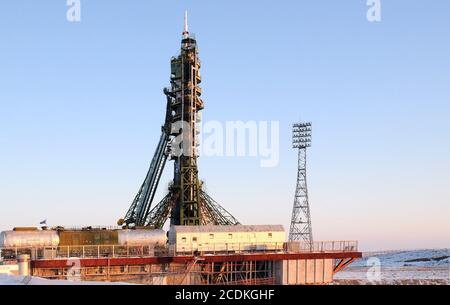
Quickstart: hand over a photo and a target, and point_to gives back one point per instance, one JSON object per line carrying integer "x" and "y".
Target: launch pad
{"x": 144, "y": 265}
{"x": 205, "y": 245}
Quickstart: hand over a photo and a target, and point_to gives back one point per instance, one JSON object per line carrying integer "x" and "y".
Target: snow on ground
{"x": 399, "y": 268}
{"x": 416, "y": 258}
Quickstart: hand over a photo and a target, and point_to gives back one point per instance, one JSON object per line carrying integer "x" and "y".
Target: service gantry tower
{"x": 185, "y": 106}
{"x": 186, "y": 203}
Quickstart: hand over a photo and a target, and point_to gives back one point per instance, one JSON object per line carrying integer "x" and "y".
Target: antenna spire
{"x": 186, "y": 28}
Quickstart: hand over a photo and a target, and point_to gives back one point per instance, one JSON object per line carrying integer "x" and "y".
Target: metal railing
{"x": 100, "y": 251}
{"x": 283, "y": 247}
{"x": 117, "y": 251}
{"x": 323, "y": 246}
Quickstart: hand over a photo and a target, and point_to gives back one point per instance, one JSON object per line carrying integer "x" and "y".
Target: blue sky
{"x": 82, "y": 104}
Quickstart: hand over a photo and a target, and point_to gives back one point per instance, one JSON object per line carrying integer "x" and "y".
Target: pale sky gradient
{"x": 82, "y": 104}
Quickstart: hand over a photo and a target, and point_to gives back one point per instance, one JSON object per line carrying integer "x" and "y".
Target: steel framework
{"x": 231, "y": 269}
{"x": 186, "y": 203}
{"x": 301, "y": 229}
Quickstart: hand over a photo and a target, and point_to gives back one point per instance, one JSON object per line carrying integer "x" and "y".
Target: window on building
{"x": 211, "y": 236}
{"x": 194, "y": 239}
{"x": 270, "y": 235}
{"x": 183, "y": 239}
{"x": 230, "y": 236}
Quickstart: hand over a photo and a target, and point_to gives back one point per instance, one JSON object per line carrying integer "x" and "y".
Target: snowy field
{"x": 427, "y": 267}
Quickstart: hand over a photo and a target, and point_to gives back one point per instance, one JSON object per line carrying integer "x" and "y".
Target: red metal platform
{"x": 96, "y": 262}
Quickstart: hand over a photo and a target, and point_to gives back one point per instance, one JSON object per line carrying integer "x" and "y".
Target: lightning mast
{"x": 301, "y": 229}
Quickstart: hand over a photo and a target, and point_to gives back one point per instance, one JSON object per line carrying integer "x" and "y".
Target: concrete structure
{"x": 24, "y": 264}
{"x": 304, "y": 271}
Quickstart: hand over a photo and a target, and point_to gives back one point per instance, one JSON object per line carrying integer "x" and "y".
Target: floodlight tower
{"x": 301, "y": 229}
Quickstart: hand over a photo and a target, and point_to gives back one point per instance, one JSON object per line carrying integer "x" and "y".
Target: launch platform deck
{"x": 315, "y": 264}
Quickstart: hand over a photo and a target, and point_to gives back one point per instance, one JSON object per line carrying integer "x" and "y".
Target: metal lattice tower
{"x": 301, "y": 229}
{"x": 186, "y": 202}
